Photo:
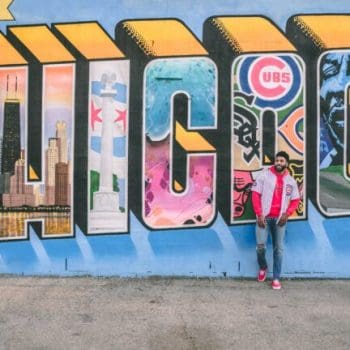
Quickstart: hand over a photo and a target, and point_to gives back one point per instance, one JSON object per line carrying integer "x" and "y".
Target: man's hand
{"x": 283, "y": 220}
{"x": 261, "y": 221}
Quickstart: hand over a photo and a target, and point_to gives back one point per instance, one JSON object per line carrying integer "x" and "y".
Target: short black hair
{"x": 283, "y": 154}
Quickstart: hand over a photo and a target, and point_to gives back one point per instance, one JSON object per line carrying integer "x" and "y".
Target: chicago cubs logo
{"x": 274, "y": 80}
{"x": 270, "y": 77}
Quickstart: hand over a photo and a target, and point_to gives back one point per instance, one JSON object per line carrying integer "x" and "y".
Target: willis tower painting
{"x": 11, "y": 141}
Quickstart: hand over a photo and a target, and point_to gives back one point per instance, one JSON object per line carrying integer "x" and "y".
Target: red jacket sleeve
{"x": 256, "y": 201}
{"x": 292, "y": 206}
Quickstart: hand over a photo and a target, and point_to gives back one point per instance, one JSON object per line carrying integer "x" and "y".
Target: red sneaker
{"x": 262, "y": 275}
{"x": 276, "y": 284}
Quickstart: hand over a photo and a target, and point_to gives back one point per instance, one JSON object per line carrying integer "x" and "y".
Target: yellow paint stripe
{"x": 5, "y": 14}
{"x": 252, "y": 34}
{"x": 327, "y": 31}
{"x": 90, "y": 40}
{"x": 42, "y": 43}
{"x": 178, "y": 187}
{"x": 267, "y": 160}
{"x": 191, "y": 140}
{"x": 32, "y": 174}
{"x": 166, "y": 37}
{"x": 8, "y": 54}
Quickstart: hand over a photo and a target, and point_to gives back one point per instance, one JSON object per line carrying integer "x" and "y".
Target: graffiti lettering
{"x": 267, "y": 88}
{"x": 194, "y": 204}
{"x": 178, "y": 165}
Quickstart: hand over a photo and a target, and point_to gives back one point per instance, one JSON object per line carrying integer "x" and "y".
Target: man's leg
{"x": 277, "y": 234}
{"x": 261, "y": 238}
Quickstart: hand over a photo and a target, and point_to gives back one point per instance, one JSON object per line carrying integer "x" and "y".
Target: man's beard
{"x": 280, "y": 168}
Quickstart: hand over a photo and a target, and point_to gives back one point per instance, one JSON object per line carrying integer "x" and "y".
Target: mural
{"x": 15, "y": 193}
{"x": 49, "y": 201}
{"x": 329, "y": 79}
{"x": 268, "y": 115}
{"x": 108, "y": 147}
{"x": 166, "y": 202}
{"x": 128, "y": 143}
{"x": 58, "y": 107}
{"x": 334, "y": 182}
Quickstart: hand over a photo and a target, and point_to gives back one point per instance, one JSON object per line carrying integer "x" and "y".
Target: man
{"x": 275, "y": 196}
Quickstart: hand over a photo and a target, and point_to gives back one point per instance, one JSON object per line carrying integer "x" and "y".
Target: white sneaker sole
{"x": 276, "y": 288}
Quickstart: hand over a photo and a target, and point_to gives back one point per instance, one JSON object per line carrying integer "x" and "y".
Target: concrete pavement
{"x": 172, "y": 313}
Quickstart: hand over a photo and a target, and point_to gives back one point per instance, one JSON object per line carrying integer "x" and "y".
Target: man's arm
{"x": 256, "y": 201}
{"x": 293, "y": 205}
